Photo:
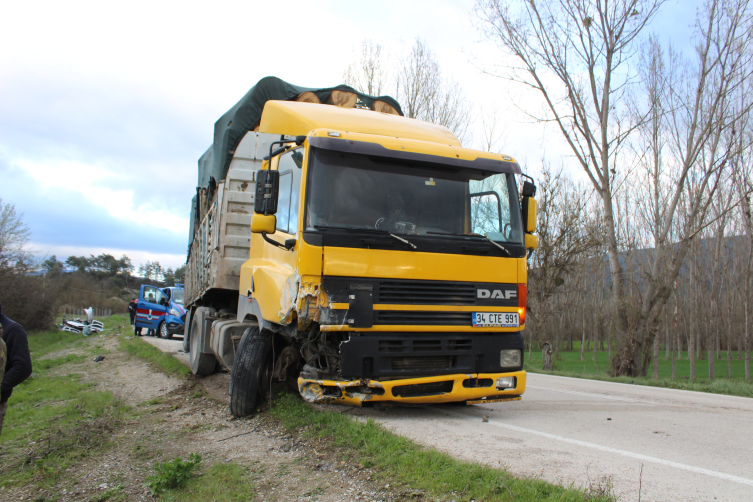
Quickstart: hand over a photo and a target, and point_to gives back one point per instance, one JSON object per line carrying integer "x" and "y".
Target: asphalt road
{"x": 651, "y": 444}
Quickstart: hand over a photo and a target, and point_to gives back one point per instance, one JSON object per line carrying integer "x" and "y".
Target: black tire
{"x": 187, "y": 331}
{"x": 252, "y": 369}
{"x": 201, "y": 364}
{"x": 162, "y": 331}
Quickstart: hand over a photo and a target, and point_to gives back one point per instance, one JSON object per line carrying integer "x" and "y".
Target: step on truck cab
{"x": 356, "y": 254}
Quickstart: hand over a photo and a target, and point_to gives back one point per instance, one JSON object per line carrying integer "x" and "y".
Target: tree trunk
{"x": 676, "y": 337}
{"x": 546, "y": 356}
{"x": 656, "y": 358}
{"x": 583, "y": 342}
{"x": 710, "y": 356}
{"x": 609, "y": 341}
{"x": 729, "y": 341}
{"x": 596, "y": 343}
{"x": 747, "y": 339}
{"x": 691, "y": 352}
{"x": 717, "y": 341}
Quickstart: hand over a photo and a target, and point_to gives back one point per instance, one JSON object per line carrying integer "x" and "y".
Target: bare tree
{"x": 426, "y": 95}
{"x": 419, "y": 86}
{"x": 368, "y": 73}
{"x": 493, "y": 129}
{"x": 577, "y": 55}
{"x": 14, "y": 236}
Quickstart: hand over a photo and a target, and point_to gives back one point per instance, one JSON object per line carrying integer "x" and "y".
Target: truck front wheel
{"x": 201, "y": 364}
{"x": 252, "y": 369}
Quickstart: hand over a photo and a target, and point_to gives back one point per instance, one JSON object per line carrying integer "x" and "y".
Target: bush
{"x": 26, "y": 299}
{"x": 172, "y": 474}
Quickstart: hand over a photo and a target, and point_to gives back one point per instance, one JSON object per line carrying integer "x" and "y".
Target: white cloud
{"x": 93, "y": 183}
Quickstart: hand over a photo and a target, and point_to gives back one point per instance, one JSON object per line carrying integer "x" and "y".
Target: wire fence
{"x": 96, "y": 312}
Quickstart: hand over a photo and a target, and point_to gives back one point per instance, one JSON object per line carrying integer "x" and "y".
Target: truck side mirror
{"x": 263, "y": 223}
{"x": 267, "y": 191}
{"x": 531, "y": 241}
{"x": 529, "y": 214}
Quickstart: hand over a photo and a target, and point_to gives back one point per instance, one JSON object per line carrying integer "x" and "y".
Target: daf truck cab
{"x": 386, "y": 263}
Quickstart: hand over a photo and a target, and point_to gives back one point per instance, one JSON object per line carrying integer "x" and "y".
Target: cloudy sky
{"x": 105, "y": 107}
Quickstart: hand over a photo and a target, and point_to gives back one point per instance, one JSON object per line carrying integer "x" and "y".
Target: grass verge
{"x": 400, "y": 461}
{"x": 54, "y": 420}
{"x": 222, "y": 482}
{"x": 161, "y": 361}
{"x": 570, "y": 365}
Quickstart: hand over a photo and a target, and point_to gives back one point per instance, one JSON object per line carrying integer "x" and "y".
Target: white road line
{"x": 590, "y": 394}
{"x": 608, "y": 449}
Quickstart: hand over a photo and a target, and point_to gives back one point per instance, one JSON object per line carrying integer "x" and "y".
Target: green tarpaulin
{"x": 246, "y": 114}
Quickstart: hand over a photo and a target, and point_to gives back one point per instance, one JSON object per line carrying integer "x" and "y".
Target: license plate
{"x": 496, "y": 319}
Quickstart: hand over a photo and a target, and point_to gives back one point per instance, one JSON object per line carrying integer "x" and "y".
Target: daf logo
{"x": 496, "y": 294}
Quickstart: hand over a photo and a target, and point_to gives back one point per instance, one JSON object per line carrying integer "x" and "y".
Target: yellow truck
{"x": 358, "y": 255}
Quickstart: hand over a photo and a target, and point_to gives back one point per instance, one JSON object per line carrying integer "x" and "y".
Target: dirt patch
{"x": 175, "y": 418}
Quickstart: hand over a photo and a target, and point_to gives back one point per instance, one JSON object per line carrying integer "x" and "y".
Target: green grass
{"x": 400, "y": 461}
{"x": 222, "y": 482}
{"x": 163, "y": 362}
{"x": 570, "y": 365}
{"x": 53, "y": 340}
{"x": 54, "y": 420}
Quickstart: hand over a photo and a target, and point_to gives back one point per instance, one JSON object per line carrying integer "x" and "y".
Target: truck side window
{"x": 290, "y": 182}
{"x": 283, "y": 203}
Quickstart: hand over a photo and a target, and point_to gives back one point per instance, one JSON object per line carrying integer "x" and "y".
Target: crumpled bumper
{"x": 474, "y": 389}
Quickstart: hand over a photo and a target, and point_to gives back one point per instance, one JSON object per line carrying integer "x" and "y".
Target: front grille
{"x": 426, "y": 293}
{"x": 393, "y": 346}
{"x": 422, "y": 389}
{"x": 423, "y": 363}
{"x": 430, "y": 345}
{"x": 403, "y": 317}
{"x": 463, "y": 344}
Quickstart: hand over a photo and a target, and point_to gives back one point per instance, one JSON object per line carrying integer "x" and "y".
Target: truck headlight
{"x": 510, "y": 358}
{"x": 174, "y": 312}
{"x": 505, "y": 383}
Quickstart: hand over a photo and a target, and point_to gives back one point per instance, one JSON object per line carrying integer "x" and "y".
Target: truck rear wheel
{"x": 252, "y": 369}
{"x": 201, "y": 364}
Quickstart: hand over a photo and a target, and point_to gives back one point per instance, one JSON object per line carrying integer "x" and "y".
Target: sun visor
{"x": 376, "y": 150}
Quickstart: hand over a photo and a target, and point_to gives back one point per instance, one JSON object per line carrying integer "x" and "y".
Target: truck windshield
{"x": 178, "y": 296}
{"x": 353, "y": 191}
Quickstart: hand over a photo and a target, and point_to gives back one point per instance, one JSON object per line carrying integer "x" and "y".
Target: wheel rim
{"x": 163, "y": 330}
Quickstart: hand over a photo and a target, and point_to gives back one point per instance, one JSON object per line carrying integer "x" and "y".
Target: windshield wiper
{"x": 368, "y": 231}
{"x": 475, "y": 236}
{"x": 399, "y": 238}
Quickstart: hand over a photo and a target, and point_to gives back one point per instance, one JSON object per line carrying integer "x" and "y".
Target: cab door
{"x": 152, "y": 307}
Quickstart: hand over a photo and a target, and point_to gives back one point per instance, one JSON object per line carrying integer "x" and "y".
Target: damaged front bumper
{"x": 474, "y": 389}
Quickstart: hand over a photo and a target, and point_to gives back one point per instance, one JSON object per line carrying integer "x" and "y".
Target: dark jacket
{"x": 132, "y": 308}
{"x": 18, "y": 364}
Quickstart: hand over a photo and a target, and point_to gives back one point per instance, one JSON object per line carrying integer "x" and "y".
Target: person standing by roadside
{"x": 132, "y": 307}
{"x": 18, "y": 361}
